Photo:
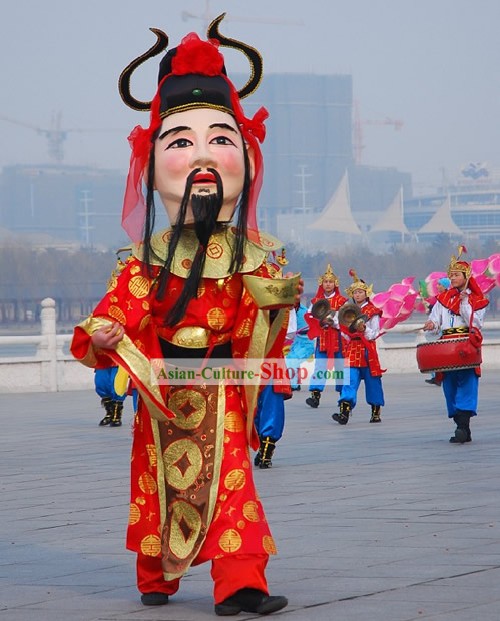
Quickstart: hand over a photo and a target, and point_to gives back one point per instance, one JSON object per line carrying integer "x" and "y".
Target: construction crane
{"x": 208, "y": 15}
{"x": 55, "y": 134}
{"x": 357, "y": 134}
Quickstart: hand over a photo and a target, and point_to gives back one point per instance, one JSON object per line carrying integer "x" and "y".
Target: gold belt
{"x": 196, "y": 337}
{"x": 460, "y": 330}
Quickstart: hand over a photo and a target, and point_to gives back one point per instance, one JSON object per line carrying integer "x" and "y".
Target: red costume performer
{"x": 199, "y": 290}
{"x": 360, "y": 328}
{"x": 326, "y": 331}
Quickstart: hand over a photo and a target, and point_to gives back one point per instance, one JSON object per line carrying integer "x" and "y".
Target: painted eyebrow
{"x": 182, "y": 128}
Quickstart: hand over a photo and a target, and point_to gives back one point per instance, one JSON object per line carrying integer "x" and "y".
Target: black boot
{"x": 116, "y": 414}
{"x": 342, "y": 417}
{"x": 250, "y": 600}
{"x": 313, "y": 400}
{"x": 265, "y": 454}
{"x": 462, "y": 432}
{"x": 375, "y": 414}
{"x": 107, "y": 404}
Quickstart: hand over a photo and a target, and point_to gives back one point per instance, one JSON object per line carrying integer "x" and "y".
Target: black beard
{"x": 206, "y": 211}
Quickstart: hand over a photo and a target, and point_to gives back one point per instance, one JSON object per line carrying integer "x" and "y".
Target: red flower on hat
{"x": 196, "y": 56}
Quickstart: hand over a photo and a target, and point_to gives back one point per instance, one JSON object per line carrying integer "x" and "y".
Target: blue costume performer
{"x": 111, "y": 401}
{"x": 328, "y": 340}
{"x": 360, "y": 327}
{"x": 459, "y": 311}
{"x": 302, "y": 347}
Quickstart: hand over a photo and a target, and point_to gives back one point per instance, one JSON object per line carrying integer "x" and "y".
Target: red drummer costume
{"x": 361, "y": 356}
{"x": 195, "y": 291}
{"x": 460, "y": 311}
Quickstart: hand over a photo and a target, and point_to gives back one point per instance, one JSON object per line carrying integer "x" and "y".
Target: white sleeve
{"x": 372, "y": 328}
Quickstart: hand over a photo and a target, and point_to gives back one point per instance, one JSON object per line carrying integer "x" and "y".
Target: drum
{"x": 448, "y": 354}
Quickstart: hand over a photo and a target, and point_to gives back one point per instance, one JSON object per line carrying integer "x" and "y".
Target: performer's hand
{"x": 429, "y": 325}
{"x": 108, "y": 337}
{"x": 361, "y": 327}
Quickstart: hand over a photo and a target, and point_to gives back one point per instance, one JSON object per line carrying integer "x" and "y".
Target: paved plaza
{"x": 384, "y": 522}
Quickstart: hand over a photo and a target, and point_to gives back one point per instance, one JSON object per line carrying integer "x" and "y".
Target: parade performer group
{"x": 199, "y": 290}
{"x": 328, "y": 339}
{"x": 460, "y": 311}
{"x": 360, "y": 353}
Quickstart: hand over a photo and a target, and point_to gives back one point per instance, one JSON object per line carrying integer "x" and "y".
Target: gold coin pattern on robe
{"x": 216, "y": 318}
{"x": 269, "y": 545}
{"x": 151, "y": 450}
{"x": 182, "y": 461}
{"x": 251, "y": 511}
{"x": 134, "y": 514}
{"x": 147, "y": 483}
{"x": 214, "y": 250}
{"x": 118, "y": 314}
{"x": 230, "y": 540}
{"x": 190, "y": 408}
{"x": 139, "y": 286}
{"x": 235, "y": 479}
{"x": 151, "y": 545}
{"x": 233, "y": 422}
{"x": 184, "y": 528}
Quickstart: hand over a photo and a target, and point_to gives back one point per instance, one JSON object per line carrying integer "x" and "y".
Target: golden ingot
{"x": 151, "y": 545}
{"x": 182, "y": 461}
{"x": 134, "y": 514}
{"x": 268, "y": 544}
{"x": 139, "y": 286}
{"x": 271, "y": 293}
{"x": 147, "y": 483}
{"x": 191, "y": 336}
{"x": 233, "y": 422}
{"x": 216, "y": 318}
{"x": 184, "y": 528}
{"x": 251, "y": 511}
{"x": 230, "y": 540}
{"x": 117, "y": 313}
{"x": 235, "y": 480}
{"x": 189, "y": 407}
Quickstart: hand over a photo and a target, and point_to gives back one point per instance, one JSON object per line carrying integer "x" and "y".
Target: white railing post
{"x": 49, "y": 344}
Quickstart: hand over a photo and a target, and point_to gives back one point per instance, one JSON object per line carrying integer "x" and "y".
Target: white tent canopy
{"x": 337, "y": 216}
{"x": 392, "y": 219}
{"x": 441, "y": 221}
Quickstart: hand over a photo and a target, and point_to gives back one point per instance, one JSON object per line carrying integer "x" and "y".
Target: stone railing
{"x": 52, "y": 370}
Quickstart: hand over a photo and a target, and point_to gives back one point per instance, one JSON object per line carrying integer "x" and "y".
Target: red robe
{"x": 192, "y": 492}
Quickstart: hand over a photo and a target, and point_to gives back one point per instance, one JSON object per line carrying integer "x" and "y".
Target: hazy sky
{"x": 433, "y": 64}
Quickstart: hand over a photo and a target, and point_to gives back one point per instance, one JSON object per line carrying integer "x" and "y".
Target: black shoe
{"x": 154, "y": 599}
{"x": 461, "y": 436}
{"x": 313, "y": 400}
{"x": 296, "y": 388}
{"x": 430, "y": 381}
{"x": 250, "y": 600}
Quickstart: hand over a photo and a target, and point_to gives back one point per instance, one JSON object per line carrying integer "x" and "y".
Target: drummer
{"x": 459, "y": 311}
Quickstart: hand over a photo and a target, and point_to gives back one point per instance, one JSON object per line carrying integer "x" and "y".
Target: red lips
{"x": 204, "y": 177}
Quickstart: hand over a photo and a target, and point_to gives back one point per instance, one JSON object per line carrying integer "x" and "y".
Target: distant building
{"x": 70, "y": 203}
